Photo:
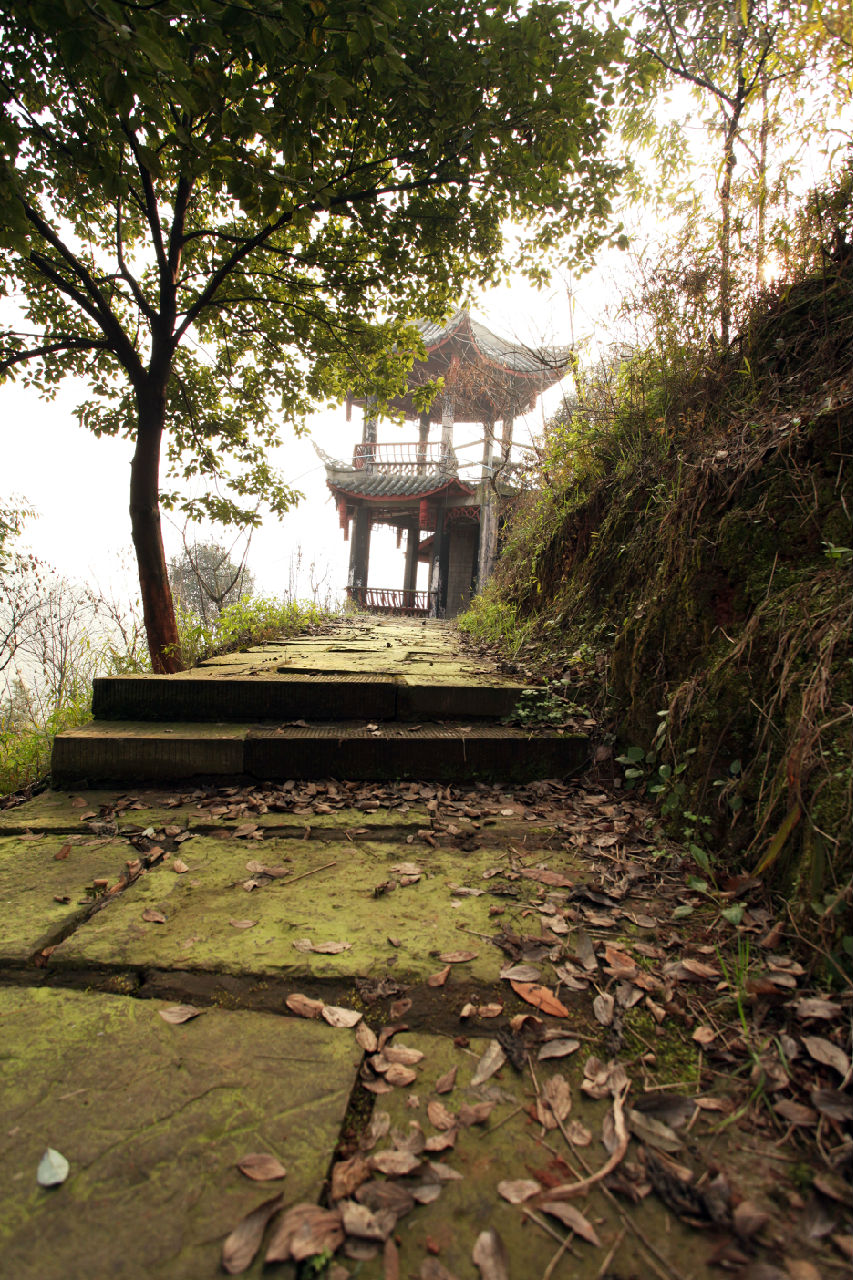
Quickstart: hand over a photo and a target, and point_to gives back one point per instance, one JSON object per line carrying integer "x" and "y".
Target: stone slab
{"x": 42, "y": 898}
{"x": 152, "y": 1119}
{"x": 328, "y": 904}
{"x": 121, "y": 750}
{"x": 512, "y": 1146}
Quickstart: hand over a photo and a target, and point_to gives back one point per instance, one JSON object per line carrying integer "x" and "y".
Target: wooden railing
{"x": 400, "y": 458}
{"x": 387, "y": 600}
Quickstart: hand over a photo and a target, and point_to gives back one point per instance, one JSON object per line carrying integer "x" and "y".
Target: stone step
{"x": 203, "y": 696}
{"x": 139, "y": 751}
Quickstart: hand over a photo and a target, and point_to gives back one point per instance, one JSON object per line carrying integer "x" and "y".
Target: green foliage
{"x": 493, "y": 621}
{"x": 26, "y": 735}
{"x": 205, "y": 579}
{"x": 685, "y": 502}
{"x": 246, "y": 622}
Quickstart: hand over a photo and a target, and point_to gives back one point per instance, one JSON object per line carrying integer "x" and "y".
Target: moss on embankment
{"x": 685, "y": 561}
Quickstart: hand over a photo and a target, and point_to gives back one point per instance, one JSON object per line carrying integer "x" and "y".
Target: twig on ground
{"x": 568, "y": 1190}
{"x": 313, "y": 872}
{"x": 611, "y": 1254}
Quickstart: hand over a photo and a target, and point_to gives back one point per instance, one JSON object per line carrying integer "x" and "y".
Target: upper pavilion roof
{"x": 488, "y": 376}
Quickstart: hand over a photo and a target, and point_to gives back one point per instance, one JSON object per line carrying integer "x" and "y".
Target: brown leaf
{"x": 365, "y": 1038}
{"x": 153, "y": 917}
{"x": 491, "y": 1061}
{"x": 303, "y": 1231}
{"x": 748, "y": 1219}
{"x": 547, "y": 877}
{"x": 380, "y": 1123}
{"x": 829, "y": 1054}
{"x": 245, "y": 830}
{"x": 654, "y": 1132}
{"x": 490, "y": 1256}
{"x": 403, "y": 1054}
{"x": 439, "y": 979}
{"x": 304, "y": 1006}
{"x": 240, "y": 1247}
{"x": 476, "y": 1114}
{"x": 336, "y": 1016}
{"x": 704, "y": 1035}
{"x": 457, "y": 957}
{"x": 396, "y": 1163}
{"x": 439, "y": 1116}
{"x": 573, "y": 1219}
{"x": 178, "y": 1013}
{"x": 359, "y": 1220}
{"x": 179, "y": 866}
{"x": 400, "y": 1076}
{"x": 348, "y": 1176}
{"x": 556, "y": 1099}
{"x": 814, "y": 1007}
{"x": 445, "y": 1083}
{"x": 521, "y": 973}
{"x": 558, "y": 1049}
{"x": 519, "y": 1191}
{"x": 242, "y": 924}
{"x": 541, "y": 998}
{"x": 386, "y": 1195}
{"x": 833, "y": 1103}
{"x": 62, "y": 854}
{"x": 699, "y": 969}
{"x": 321, "y": 948}
{"x": 400, "y": 1007}
{"x": 801, "y": 1269}
{"x": 261, "y": 1167}
{"x": 795, "y": 1113}
{"x": 602, "y": 1007}
{"x": 432, "y": 1269}
{"x": 441, "y": 1141}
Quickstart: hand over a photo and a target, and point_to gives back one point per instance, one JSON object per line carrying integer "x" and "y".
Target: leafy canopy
{"x": 215, "y": 207}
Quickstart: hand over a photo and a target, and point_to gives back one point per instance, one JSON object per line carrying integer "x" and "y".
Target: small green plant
{"x": 549, "y": 705}
{"x": 249, "y": 621}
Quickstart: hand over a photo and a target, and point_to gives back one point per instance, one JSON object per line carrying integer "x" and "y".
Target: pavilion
{"x": 415, "y": 487}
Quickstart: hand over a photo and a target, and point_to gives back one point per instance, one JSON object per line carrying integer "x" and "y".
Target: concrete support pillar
{"x": 423, "y": 441}
{"x": 369, "y": 432}
{"x": 438, "y": 573}
{"x": 506, "y": 437}
{"x": 448, "y": 457}
{"x": 359, "y": 555}
{"x": 410, "y": 577}
{"x": 486, "y": 549}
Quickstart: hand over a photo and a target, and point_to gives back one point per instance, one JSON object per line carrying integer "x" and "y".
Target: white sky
{"x": 79, "y": 484}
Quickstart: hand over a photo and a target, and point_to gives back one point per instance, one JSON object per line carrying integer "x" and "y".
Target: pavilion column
{"x": 506, "y": 437}
{"x": 488, "y": 523}
{"x": 423, "y": 441}
{"x": 359, "y": 554}
{"x": 448, "y": 457}
{"x": 410, "y": 577}
{"x": 369, "y": 432}
{"x": 440, "y": 564}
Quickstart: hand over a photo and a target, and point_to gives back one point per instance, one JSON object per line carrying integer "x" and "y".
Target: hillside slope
{"x": 684, "y": 565}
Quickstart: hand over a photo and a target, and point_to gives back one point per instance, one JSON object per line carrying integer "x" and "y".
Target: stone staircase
{"x": 378, "y": 700}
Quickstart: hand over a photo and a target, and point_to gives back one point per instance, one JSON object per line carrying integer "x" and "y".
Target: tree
{"x": 205, "y": 578}
{"x": 207, "y": 207}
{"x": 760, "y": 70}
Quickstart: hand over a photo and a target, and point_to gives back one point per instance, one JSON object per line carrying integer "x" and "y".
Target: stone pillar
{"x": 506, "y": 437}
{"x": 410, "y": 577}
{"x": 487, "y": 499}
{"x": 359, "y": 554}
{"x": 369, "y": 432}
{"x": 423, "y": 441}
{"x": 448, "y": 457}
{"x": 438, "y": 574}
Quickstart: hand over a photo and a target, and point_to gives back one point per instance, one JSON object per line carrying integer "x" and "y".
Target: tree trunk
{"x": 157, "y": 609}
{"x": 762, "y": 185}
{"x": 726, "y": 235}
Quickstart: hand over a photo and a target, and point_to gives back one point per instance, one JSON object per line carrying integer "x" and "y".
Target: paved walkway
{"x": 435, "y": 1007}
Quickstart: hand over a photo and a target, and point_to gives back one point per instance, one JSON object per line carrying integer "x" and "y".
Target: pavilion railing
{"x": 407, "y": 458}
{"x": 389, "y": 600}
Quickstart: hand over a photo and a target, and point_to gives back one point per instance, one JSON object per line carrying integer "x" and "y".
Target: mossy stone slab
{"x": 512, "y": 1146}
{"x": 42, "y": 897}
{"x": 329, "y": 904}
{"x": 152, "y": 1119}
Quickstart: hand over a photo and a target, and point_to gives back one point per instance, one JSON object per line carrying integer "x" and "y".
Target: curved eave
{"x": 451, "y": 486}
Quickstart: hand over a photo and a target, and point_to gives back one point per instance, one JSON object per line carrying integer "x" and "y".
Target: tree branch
{"x": 52, "y": 348}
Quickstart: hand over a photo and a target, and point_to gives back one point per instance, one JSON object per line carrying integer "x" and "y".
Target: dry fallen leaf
{"x": 178, "y": 1013}
{"x": 261, "y": 1167}
{"x": 321, "y": 948}
{"x": 558, "y": 1049}
{"x": 476, "y": 1114}
{"x": 242, "y": 924}
{"x": 573, "y": 1219}
{"x": 555, "y": 1102}
{"x": 602, "y": 1007}
{"x": 52, "y": 1169}
{"x": 62, "y": 853}
{"x": 540, "y": 997}
{"x": 359, "y": 1220}
{"x": 403, "y": 1054}
{"x": 439, "y": 1116}
{"x": 179, "y": 866}
{"x": 304, "y": 1231}
{"x": 400, "y": 1076}
{"x": 396, "y": 1163}
{"x": 304, "y": 1006}
{"x": 439, "y": 979}
{"x": 445, "y": 1083}
{"x": 829, "y": 1054}
{"x": 336, "y": 1016}
{"x": 240, "y": 1247}
{"x": 491, "y": 1061}
{"x": 518, "y": 1192}
{"x": 365, "y": 1038}
{"x": 348, "y": 1176}
{"x": 153, "y": 917}
{"x": 704, "y": 1035}
{"x": 490, "y": 1256}
{"x": 457, "y": 957}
